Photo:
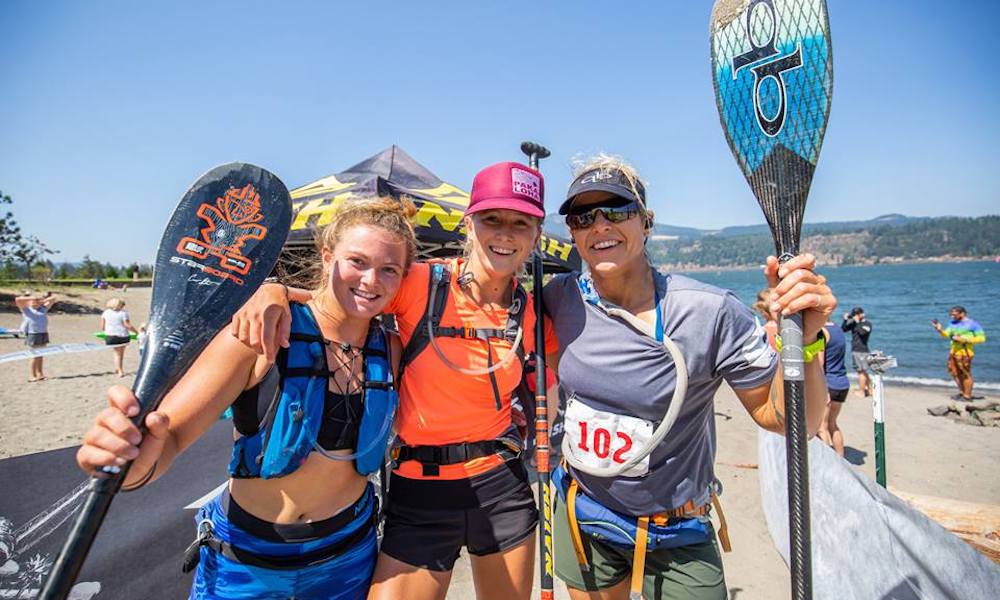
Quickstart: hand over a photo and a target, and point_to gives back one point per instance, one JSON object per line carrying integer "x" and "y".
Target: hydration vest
{"x": 511, "y": 443}
{"x": 288, "y": 431}
{"x": 439, "y": 284}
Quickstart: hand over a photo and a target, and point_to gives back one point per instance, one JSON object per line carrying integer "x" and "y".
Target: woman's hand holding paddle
{"x": 796, "y": 287}
{"x": 114, "y": 440}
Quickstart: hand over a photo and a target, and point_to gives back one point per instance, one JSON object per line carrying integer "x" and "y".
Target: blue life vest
{"x": 291, "y": 424}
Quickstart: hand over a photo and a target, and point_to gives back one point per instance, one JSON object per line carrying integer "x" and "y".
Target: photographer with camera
{"x": 861, "y": 329}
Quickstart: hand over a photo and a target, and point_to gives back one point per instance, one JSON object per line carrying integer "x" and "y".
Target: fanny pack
{"x": 683, "y": 526}
{"x": 688, "y": 525}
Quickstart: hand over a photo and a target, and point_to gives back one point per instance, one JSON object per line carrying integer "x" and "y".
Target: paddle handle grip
{"x": 74, "y": 551}
{"x": 800, "y": 554}
{"x": 534, "y": 151}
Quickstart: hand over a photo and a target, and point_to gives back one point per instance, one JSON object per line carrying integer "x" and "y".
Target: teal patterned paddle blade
{"x": 772, "y": 68}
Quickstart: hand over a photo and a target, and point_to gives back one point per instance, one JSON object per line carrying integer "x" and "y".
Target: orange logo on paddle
{"x": 229, "y": 224}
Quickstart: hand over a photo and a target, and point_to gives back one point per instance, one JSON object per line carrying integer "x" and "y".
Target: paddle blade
{"x": 223, "y": 239}
{"x": 772, "y": 69}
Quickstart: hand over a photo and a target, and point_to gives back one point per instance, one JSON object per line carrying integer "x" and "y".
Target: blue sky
{"x": 109, "y": 110}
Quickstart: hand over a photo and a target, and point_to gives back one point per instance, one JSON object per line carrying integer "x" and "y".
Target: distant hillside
{"x": 556, "y": 224}
{"x": 891, "y": 237}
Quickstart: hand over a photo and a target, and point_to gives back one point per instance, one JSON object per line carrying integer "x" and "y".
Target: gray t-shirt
{"x": 610, "y": 366}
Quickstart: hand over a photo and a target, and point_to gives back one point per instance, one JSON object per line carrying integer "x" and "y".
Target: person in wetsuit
{"x": 308, "y": 532}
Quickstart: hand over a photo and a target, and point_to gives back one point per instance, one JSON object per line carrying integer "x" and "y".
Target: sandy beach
{"x": 925, "y": 455}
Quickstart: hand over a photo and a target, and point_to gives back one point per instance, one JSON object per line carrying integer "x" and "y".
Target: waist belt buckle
{"x": 192, "y": 555}
{"x": 514, "y": 446}
{"x": 432, "y": 468}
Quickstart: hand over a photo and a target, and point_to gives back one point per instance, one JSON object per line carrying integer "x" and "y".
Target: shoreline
{"x": 871, "y": 263}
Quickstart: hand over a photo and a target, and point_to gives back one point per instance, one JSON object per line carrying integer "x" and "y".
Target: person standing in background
{"x": 964, "y": 333}
{"x": 860, "y": 329}
{"x": 837, "y": 386}
{"x": 762, "y": 306}
{"x": 116, "y": 327}
{"x": 35, "y": 310}
{"x": 142, "y": 337}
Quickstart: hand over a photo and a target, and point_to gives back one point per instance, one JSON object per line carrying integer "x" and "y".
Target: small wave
{"x": 931, "y": 382}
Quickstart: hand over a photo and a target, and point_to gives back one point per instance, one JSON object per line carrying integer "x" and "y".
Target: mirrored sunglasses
{"x": 615, "y": 214}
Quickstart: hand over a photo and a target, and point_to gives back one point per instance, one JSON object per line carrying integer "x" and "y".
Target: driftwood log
{"x": 977, "y": 524}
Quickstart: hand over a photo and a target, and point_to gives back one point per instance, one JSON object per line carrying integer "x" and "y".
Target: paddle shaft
{"x": 148, "y": 384}
{"x": 800, "y": 553}
{"x": 74, "y": 552}
{"x": 546, "y": 568}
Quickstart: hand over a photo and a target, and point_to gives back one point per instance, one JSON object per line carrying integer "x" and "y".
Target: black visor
{"x": 612, "y": 181}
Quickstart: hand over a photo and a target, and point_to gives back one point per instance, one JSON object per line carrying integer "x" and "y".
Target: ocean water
{"x": 900, "y": 301}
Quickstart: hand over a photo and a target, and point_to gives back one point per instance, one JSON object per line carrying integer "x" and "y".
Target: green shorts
{"x": 693, "y": 571}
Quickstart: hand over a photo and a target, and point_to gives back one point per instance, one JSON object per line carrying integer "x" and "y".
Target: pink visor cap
{"x": 508, "y": 185}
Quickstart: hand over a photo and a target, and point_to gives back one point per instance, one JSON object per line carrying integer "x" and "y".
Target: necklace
{"x": 342, "y": 358}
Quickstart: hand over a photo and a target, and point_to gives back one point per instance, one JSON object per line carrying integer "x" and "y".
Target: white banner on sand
{"x": 866, "y": 542}
{"x": 50, "y": 350}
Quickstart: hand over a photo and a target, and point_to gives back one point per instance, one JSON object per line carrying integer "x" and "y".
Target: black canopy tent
{"x": 440, "y": 206}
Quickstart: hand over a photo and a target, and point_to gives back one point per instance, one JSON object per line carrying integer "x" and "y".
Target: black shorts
{"x": 36, "y": 340}
{"x": 427, "y": 521}
{"x": 116, "y": 340}
{"x": 838, "y": 395}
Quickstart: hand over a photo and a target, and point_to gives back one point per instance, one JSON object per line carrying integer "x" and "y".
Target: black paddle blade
{"x": 772, "y": 68}
{"x": 221, "y": 242}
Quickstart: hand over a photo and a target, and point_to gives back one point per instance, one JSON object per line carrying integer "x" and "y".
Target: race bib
{"x": 596, "y": 439}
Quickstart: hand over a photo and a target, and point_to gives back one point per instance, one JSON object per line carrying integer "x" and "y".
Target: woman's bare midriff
{"x": 317, "y": 490}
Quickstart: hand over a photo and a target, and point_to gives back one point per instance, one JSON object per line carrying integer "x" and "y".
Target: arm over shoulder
{"x": 223, "y": 370}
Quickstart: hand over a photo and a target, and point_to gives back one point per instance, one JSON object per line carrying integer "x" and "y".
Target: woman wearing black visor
{"x": 641, "y": 357}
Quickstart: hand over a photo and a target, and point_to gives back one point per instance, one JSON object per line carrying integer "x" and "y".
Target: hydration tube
{"x": 503, "y": 362}
{"x": 661, "y": 431}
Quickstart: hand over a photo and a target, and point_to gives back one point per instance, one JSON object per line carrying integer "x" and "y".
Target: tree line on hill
{"x": 87, "y": 269}
{"x": 865, "y": 243}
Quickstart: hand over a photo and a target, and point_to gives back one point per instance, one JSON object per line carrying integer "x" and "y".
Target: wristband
{"x": 142, "y": 481}
{"x": 277, "y": 281}
{"x": 809, "y": 352}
